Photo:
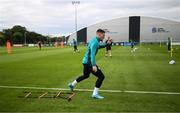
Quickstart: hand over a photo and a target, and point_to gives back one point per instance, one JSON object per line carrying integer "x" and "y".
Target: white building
{"x": 136, "y": 28}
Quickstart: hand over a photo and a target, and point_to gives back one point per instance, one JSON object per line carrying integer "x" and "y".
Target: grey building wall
{"x": 156, "y": 30}
{"x": 117, "y": 29}
{"x": 151, "y": 30}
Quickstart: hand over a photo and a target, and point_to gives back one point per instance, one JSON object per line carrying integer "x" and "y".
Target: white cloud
{"x": 57, "y": 16}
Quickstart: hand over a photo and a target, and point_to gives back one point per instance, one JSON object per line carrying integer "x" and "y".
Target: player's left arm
{"x": 102, "y": 45}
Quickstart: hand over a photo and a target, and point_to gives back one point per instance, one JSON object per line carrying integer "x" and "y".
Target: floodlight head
{"x": 75, "y": 2}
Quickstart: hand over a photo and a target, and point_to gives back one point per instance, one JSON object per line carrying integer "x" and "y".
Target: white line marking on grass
{"x": 88, "y": 90}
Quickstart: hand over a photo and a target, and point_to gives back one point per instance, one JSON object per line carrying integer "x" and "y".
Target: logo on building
{"x": 109, "y": 32}
{"x": 159, "y": 30}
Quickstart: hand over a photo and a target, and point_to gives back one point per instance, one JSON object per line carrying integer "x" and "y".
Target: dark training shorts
{"x": 86, "y": 72}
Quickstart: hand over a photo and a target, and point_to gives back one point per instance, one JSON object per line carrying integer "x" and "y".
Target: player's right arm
{"x": 93, "y": 49}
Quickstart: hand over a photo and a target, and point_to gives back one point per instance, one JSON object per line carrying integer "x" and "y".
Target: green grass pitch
{"x": 145, "y": 70}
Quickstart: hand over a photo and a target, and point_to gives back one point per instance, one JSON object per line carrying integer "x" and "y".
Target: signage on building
{"x": 159, "y": 30}
{"x": 110, "y": 32}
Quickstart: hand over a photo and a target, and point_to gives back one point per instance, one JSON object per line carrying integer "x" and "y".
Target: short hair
{"x": 100, "y": 31}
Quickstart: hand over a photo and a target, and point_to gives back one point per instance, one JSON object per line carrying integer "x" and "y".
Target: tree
{"x": 2, "y": 38}
{"x": 19, "y": 29}
{"x": 7, "y": 34}
{"x": 17, "y": 38}
{"x": 17, "y": 35}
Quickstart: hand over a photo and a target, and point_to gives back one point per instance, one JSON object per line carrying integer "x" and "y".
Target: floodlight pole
{"x": 1, "y": 23}
{"x": 75, "y": 3}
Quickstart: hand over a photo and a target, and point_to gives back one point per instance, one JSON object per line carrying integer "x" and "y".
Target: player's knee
{"x": 102, "y": 77}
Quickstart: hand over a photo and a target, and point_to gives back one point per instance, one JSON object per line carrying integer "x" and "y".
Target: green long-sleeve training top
{"x": 92, "y": 49}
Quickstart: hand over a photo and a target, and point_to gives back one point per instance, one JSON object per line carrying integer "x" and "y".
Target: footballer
{"x": 89, "y": 63}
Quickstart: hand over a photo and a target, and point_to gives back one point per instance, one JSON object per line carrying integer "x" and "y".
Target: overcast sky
{"x": 57, "y": 16}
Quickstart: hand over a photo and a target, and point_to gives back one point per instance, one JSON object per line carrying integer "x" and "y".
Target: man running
{"x": 89, "y": 63}
{"x": 39, "y": 45}
{"x": 108, "y": 48}
{"x": 75, "y": 46}
{"x": 169, "y": 44}
{"x": 132, "y": 46}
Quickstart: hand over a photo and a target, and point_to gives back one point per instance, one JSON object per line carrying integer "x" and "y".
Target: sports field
{"x": 142, "y": 81}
